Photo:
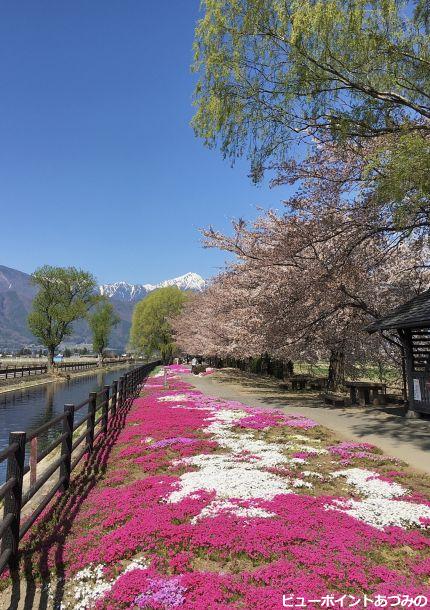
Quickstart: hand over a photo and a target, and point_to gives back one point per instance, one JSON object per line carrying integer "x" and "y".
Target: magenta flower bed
{"x": 210, "y": 504}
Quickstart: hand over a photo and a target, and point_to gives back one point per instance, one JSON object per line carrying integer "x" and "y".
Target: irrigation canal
{"x": 29, "y": 408}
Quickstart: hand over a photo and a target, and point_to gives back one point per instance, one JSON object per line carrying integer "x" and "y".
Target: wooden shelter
{"x": 412, "y": 322}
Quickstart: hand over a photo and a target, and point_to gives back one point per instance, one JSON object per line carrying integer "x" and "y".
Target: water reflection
{"x": 31, "y": 407}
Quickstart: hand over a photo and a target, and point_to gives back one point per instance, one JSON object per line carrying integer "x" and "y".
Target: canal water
{"x": 29, "y": 408}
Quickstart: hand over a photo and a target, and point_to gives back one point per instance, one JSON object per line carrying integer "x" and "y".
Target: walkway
{"x": 405, "y": 439}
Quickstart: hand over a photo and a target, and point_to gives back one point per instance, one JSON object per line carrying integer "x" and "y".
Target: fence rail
{"x": 79, "y": 433}
{"x": 14, "y": 371}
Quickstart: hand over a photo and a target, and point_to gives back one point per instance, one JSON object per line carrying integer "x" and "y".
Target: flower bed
{"x": 207, "y": 503}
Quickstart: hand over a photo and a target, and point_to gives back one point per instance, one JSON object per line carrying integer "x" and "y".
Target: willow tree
{"x": 280, "y": 72}
{"x": 102, "y": 321}
{"x": 151, "y": 330}
{"x": 65, "y": 294}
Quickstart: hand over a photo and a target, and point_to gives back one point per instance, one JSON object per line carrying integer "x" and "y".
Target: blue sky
{"x": 99, "y": 167}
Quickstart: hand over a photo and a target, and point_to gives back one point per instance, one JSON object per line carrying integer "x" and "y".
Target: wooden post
{"x": 13, "y": 498}
{"x": 119, "y": 402}
{"x": 114, "y": 396}
{"x": 105, "y": 408}
{"x": 66, "y": 446}
{"x": 33, "y": 460}
{"x": 121, "y": 391}
{"x": 92, "y": 406}
{"x": 124, "y": 389}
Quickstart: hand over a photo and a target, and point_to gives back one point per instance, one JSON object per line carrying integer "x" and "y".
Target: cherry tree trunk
{"x": 289, "y": 368}
{"x": 336, "y": 371}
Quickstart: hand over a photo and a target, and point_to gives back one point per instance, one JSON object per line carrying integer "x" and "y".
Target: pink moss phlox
{"x": 299, "y": 421}
{"x": 173, "y": 441}
{"x": 297, "y": 546}
{"x": 178, "y": 368}
{"x": 304, "y": 455}
{"x": 347, "y": 451}
{"x": 247, "y": 456}
{"x": 162, "y": 593}
{"x": 282, "y": 471}
{"x": 260, "y": 420}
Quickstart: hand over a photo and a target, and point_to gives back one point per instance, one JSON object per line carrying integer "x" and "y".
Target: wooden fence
{"x": 76, "y": 440}
{"x": 13, "y": 372}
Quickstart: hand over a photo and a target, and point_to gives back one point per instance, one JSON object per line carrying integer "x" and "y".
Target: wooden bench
{"x": 318, "y": 383}
{"x": 300, "y": 382}
{"x": 330, "y": 398}
{"x": 395, "y": 399}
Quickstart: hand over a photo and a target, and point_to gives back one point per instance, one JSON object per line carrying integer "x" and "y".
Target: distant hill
{"x": 17, "y": 293}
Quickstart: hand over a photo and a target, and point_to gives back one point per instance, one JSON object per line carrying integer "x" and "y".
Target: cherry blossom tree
{"x": 299, "y": 291}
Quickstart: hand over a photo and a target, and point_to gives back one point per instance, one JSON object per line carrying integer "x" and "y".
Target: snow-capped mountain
{"x": 189, "y": 281}
{"x": 122, "y": 291}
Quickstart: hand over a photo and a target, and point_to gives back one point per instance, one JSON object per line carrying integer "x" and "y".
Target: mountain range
{"x": 131, "y": 293}
{"x": 17, "y": 293}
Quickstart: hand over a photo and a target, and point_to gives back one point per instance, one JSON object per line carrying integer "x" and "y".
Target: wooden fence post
{"x": 92, "y": 406}
{"x": 33, "y": 460}
{"x": 13, "y": 498}
{"x": 119, "y": 401}
{"x": 114, "y": 396}
{"x": 66, "y": 445}
{"x": 105, "y": 408}
{"x": 124, "y": 389}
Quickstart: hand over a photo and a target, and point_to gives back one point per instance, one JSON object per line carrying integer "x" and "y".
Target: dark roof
{"x": 413, "y": 314}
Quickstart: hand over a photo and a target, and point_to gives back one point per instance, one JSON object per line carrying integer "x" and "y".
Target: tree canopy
{"x": 271, "y": 70}
{"x": 274, "y": 74}
{"x": 151, "y": 329}
{"x": 65, "y": 295}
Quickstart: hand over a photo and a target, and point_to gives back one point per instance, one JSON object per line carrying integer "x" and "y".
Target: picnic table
{"x": 318, "y": 383}
{"x": 300, "y": 382}
{"x": 364, "y": 392}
